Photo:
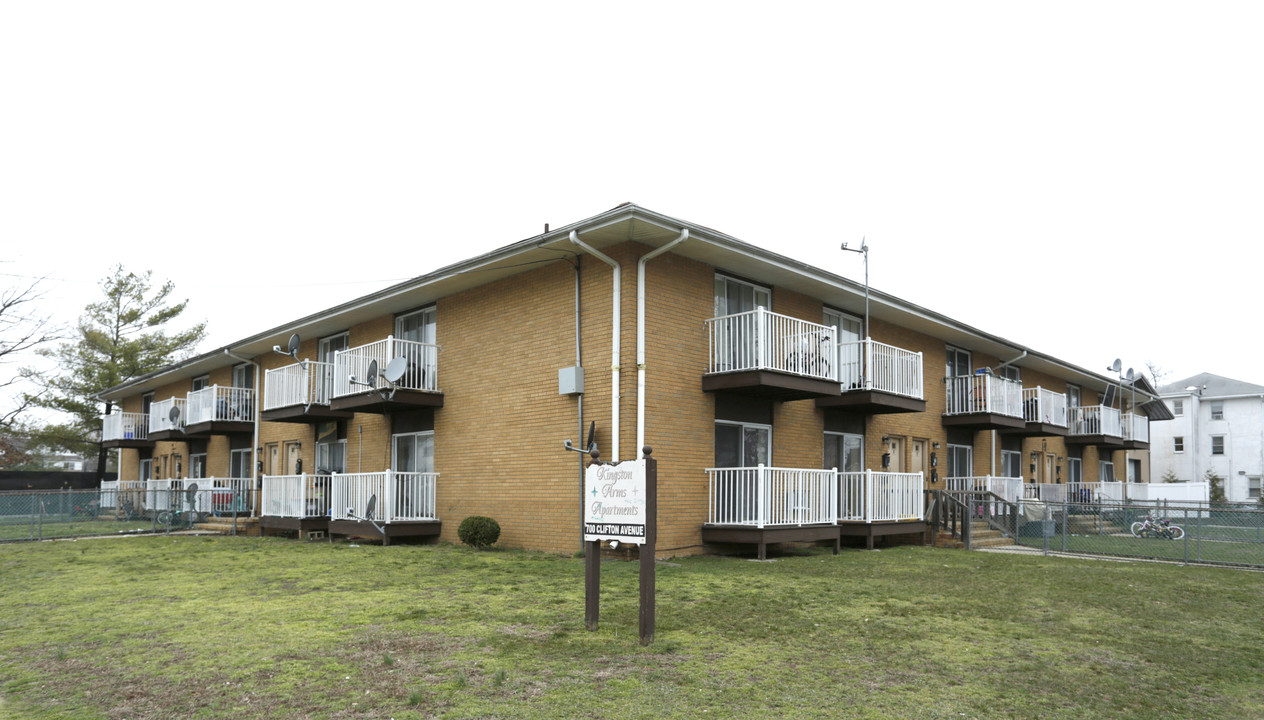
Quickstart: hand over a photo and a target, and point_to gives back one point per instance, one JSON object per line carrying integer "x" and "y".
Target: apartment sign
{"x": 614, "y": 502}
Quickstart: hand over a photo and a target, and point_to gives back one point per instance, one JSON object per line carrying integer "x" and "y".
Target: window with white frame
{"x": 413, "y": 452}
{"x": 330, "y": 345}
{"x": 1253, "y": 487}
{"x": 1217, "y": 409}
{"x": 960, "y": 461}
{"x": 1178, "y": 407}
{"x": 1011, "y": 372}
{"x": 845, "y": 451}
{"x": 1178, "y": 444}
{"x": 1075, "y": 470}
{"x": 742, "y": 444}
{"x": 1217, "y": 444}
{"x": 331, "y": 457}
{"x": 239, "y": 464}
{"x": 1106, "y": 471}
{"x": 197, "y": 465}
{"x": 244, "y": 375}
{"x": 737, "y": 296}
{"x": 146, "y": 470}
{"x": 1011, "y": 463}
{"x": 1073, "y": 396}
{"x": 201, "y": 382}
{"x": 416, "y": 326}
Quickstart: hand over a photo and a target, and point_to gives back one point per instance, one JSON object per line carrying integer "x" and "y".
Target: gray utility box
{"x": 570, "y": 381}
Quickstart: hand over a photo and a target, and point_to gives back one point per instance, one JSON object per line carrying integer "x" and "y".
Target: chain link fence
{"x": 1221, "y": 534}
{"x": 42, "y": 515}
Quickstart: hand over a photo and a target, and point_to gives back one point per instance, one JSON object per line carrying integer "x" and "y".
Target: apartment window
{"x": 735, "y": 296}
{"x": 244, "y": 375}
{"x": 1134, "y": 470}
{"x": 1011, "y": 463}
{"x": 850, "y": 330}
{"x": 845, "y": 451}
{"x": 742, "y": 444}
{"x": 413, "y": 452}
{"x": 1073, "y": 396}
{"x": 146, "y": 401}
{"x": 1010, "y": 372}
{"x": 416, "y": 326}
{"x": 1178, "y": 444}
{"x": 1075, "y": 470}
{"x": 239, "y": 464}
{"x": 1106, "y": 471}
{"x": 1253, "y": 487}
{"x": 1217, "y": 444}
{"x": 146, "y": 470}
{"x": 201, "y": 382}
{"x": 960, "y": 461}
{"x": 332, "y": 344}
{"x": 1217, "y": 409}
{"x": 1178, "y": 407}
{"x": 197, "y": 465}
{"x": 331, "y": 457}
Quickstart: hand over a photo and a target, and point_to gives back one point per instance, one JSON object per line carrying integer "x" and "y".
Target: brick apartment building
{"x": 751, "y": 375}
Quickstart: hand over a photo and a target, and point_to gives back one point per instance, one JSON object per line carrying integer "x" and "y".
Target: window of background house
{"x": 1217, "y": 444}
{"x": 1178, "y": 407}
{"x": 1253, "y": 487}
{"x": 1178, "y": 444}
{"x": 1217, "y": 409}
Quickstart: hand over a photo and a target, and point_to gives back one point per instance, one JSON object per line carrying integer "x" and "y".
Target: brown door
{"x": 271, "y": 463}
{"x": 895, "y": 447}
{"x": 918, "y": 462}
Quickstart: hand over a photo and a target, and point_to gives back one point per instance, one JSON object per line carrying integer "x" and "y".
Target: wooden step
{"x": 224, "y": 526}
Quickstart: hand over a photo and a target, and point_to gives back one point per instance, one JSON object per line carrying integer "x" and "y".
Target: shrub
{"x": 479, "y": 531}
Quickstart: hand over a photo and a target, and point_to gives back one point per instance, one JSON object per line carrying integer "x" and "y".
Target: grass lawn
{"x": 221, "y": 627}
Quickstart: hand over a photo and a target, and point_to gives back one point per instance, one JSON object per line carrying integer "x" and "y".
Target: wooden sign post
{"x": 621, "y": 505}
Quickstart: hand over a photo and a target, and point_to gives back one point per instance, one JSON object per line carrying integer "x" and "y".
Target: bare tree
{"x": 1157, "y": 373}
{"x": 22, "y": 329}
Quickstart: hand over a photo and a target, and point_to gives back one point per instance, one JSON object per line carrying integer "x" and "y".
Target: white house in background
{"x": 1218, "y": 426}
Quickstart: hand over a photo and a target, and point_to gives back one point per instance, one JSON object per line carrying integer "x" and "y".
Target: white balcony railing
{"x": 1044, "y": 406}
{"x": 124, "y": 426}
{"x": 764, "y": 340}
{"x": 214, "y": 496}
{"x": 401, "y": 496}
{"x": 880, "y": 496}
{"x": 421, "y": 370}
{"x": 871, "y": 365}
{"x": 109, "y": 493}
{"x": 1136, "y": 427}
{"x": 160, "y": 415}
{"x": 1007, "y": 488}
{"x": 767, "y": 496}
{"x": 983, "y": 393}
{"x": 1094, "y": 420}
{"x": 296, "y": 496}
{"x": 303, "y": 383}
{"x": 221, "y": 404}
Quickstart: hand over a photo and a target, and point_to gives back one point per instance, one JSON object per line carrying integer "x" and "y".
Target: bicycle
{"x": 167, "y": 518}
{"x": 1158, "y": 528}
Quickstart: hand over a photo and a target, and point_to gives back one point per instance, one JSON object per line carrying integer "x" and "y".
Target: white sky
{"x": 1083, "y": 178}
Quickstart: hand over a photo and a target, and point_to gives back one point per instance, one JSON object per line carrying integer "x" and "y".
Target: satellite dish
{"x": 370, "y": 377}
{"x": 592, "y": 428}
{"x": 294, "y": 343}
{"x": 1130, "y": 375}
{"x": 1116, "y": 366}
{"x": 174, "y": 414}
{"x": 395, "y": 369}
{"x": 368, "y": 510}
{"x": 191, "y": 492}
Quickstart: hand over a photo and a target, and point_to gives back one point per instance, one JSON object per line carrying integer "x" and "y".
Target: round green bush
{"x": 479, "y": 531}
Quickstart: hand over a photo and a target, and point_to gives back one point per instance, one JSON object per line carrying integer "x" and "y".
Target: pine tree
{"x": 118, "y": 338}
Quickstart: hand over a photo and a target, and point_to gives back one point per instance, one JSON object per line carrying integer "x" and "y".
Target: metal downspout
{"x": 254, "y": 458}
{"x": 640, "y": 335}
{"x": 614, "y": 342}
